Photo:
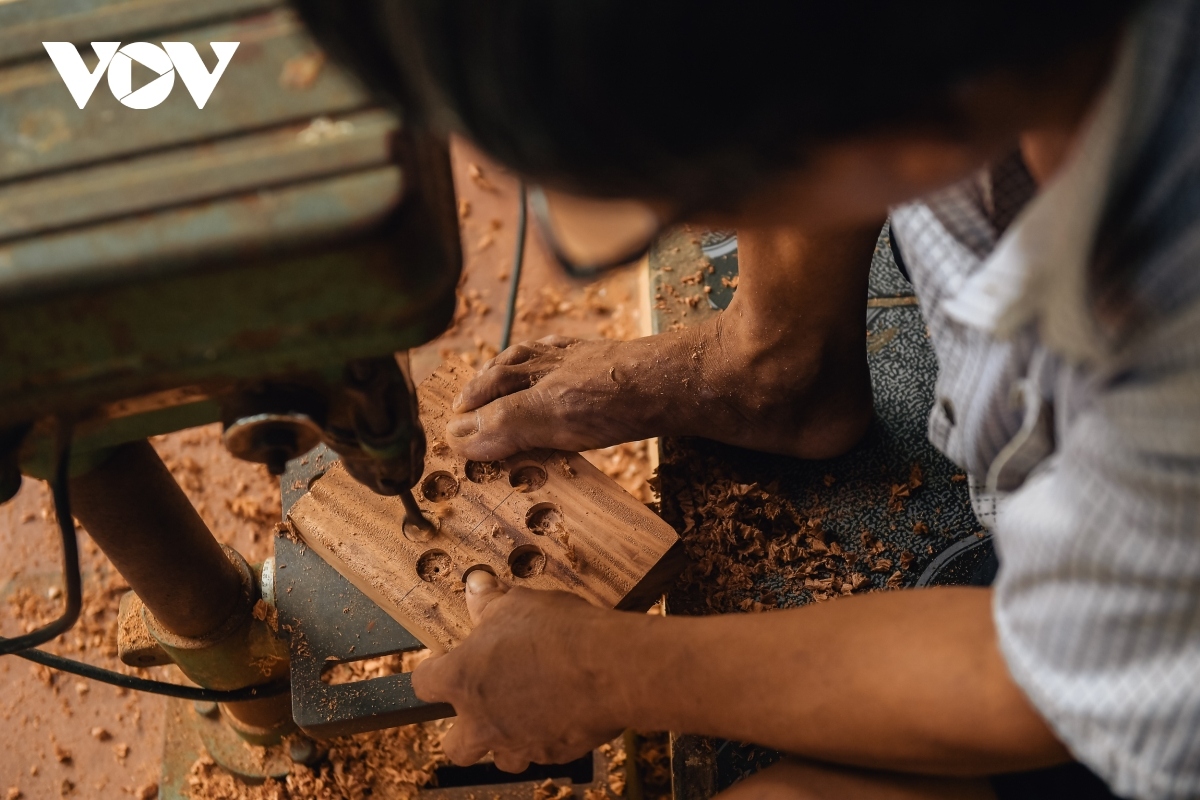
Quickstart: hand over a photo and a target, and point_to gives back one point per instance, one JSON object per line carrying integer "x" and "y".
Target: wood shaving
{"x": 743, "y": 537}
{"x": 301, "y": 72}
{"x": 475, "y": 172}
{"x": 549, "y": 790}
{"x": 391, "y": 764}
{"x": 627, "y": 464}
{"x": 654, "y": 765}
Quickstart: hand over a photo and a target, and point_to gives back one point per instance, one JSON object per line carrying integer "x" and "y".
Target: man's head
{"x": 731, "y": 108}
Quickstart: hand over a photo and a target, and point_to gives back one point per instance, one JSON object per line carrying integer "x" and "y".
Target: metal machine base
{"x": 190, "y": 735}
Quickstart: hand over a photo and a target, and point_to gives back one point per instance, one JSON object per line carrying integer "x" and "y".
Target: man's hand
{"x": 522, "y": 683}
{"x": 554, "y": 392}
{"x": 546, "y": 677}
{"x": 782, "y": 370}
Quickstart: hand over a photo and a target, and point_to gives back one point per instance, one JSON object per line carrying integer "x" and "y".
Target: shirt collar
{"x": 1038, "y": 271}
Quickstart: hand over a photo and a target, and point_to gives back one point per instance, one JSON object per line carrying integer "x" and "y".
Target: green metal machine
{"x": 178, "y": 266}
{"x": 257, "y": 262}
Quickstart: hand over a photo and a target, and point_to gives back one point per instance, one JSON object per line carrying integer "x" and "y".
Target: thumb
{"x": 482, "y": 589}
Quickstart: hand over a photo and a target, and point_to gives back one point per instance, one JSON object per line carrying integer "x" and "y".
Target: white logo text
{"x": 164, "y": 61}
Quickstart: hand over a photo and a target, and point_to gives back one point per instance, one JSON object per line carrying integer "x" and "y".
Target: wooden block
{"x": 544, "y": 519}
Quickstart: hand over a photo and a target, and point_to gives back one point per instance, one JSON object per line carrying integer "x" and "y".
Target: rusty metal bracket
{"x": 243, "y": 652}
{"x": 135, "y": 645}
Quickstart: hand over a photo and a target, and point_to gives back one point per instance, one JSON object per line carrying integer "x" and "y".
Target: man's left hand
{"x": 526, "y": 684}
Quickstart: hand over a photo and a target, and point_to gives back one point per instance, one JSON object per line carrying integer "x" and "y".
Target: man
{"x": 1067, "y": 336}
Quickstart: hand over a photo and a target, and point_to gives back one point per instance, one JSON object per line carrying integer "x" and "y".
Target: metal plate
{"x": 329, "y": 620}
{"x": 185, "y": 742}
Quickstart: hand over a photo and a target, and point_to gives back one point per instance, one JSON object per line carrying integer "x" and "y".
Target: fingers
{"x": 491, "y": 385}
{"x": 506, "y": 762}
{"x": 501, "y": 428}
{"x": 520, "y": 353}
{"x": 482, "y": 589}
{"x": 462, "y": 745}
{"x": 524, "y": 351}
{"x": 429, "y": 680}
{"x": 517, "y": 354}
{"x": 554, "y": 340}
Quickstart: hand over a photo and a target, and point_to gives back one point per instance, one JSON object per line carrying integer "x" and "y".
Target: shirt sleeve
{"x": 1097, "y": 602}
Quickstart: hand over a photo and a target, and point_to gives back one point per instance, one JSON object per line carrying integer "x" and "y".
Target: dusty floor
{"x": 64, "y": 736}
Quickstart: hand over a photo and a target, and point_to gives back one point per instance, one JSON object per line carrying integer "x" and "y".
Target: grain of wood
{"x": 542, "y": 519}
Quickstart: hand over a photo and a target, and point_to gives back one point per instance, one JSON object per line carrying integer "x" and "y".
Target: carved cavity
{"x": 483, "y": 471}
{"x": 439, "y": 487}
{"x": 528, "y": 478}
{"x": 416, "y": 533}
{"x": 545, "y": 519}
{"x": 526, "y": 561}
{"x": 434, "y": 564}
{"x": 478, "y": 567}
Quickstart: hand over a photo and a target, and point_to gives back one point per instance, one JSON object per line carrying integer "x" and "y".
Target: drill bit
{"x": 413, "y": 516}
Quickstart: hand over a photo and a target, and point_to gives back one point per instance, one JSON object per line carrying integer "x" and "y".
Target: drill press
{"x": 256, "y": 263}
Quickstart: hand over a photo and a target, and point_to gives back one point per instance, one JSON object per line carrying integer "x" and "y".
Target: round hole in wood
{"x": 528, "y": 478}
{"x": 484, "y": 567}
{"x": 434, "y": 564}
{"x": 483, "y": 471}
{"x": 415, "y": 533}
{"x": 544, "y": 518}
{"x": 527, "y": 561}
{"x": 438, "y": 487}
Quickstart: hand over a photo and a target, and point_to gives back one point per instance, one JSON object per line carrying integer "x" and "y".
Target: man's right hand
{"x": 556, "y": 392}
{"x": 782, "y": 370}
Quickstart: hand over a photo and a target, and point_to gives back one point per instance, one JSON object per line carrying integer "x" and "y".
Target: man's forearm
{"x": 909, "y": 681}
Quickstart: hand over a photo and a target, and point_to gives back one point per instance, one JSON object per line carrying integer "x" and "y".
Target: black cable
{"x": 518, "y": 262}
{"x": 70, "y": 548}
{"x": 151, "y": 686}
{"x": 72, "y": 576}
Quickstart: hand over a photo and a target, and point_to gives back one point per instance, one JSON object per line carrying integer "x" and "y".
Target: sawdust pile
{"x": 391, "y": 764}
{"x": 239, "y": 501}
{"x": 751, "y": 548}
{"x": 654, "y": 765}
{"x": 396, "y": 764}
{"x": 94, "y": 636}
{"x": 537, "y": 312}
{"x": 595, "y": 303}
{"x": 629, "y": 465}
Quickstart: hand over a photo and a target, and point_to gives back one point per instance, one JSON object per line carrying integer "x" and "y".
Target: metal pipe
{"x": 139, "y": 516}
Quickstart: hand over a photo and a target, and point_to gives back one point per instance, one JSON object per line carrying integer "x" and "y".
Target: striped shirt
{"x": 1067, "y": 328}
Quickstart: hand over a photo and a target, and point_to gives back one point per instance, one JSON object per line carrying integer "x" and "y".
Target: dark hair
{"x": 692, "y": 99}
